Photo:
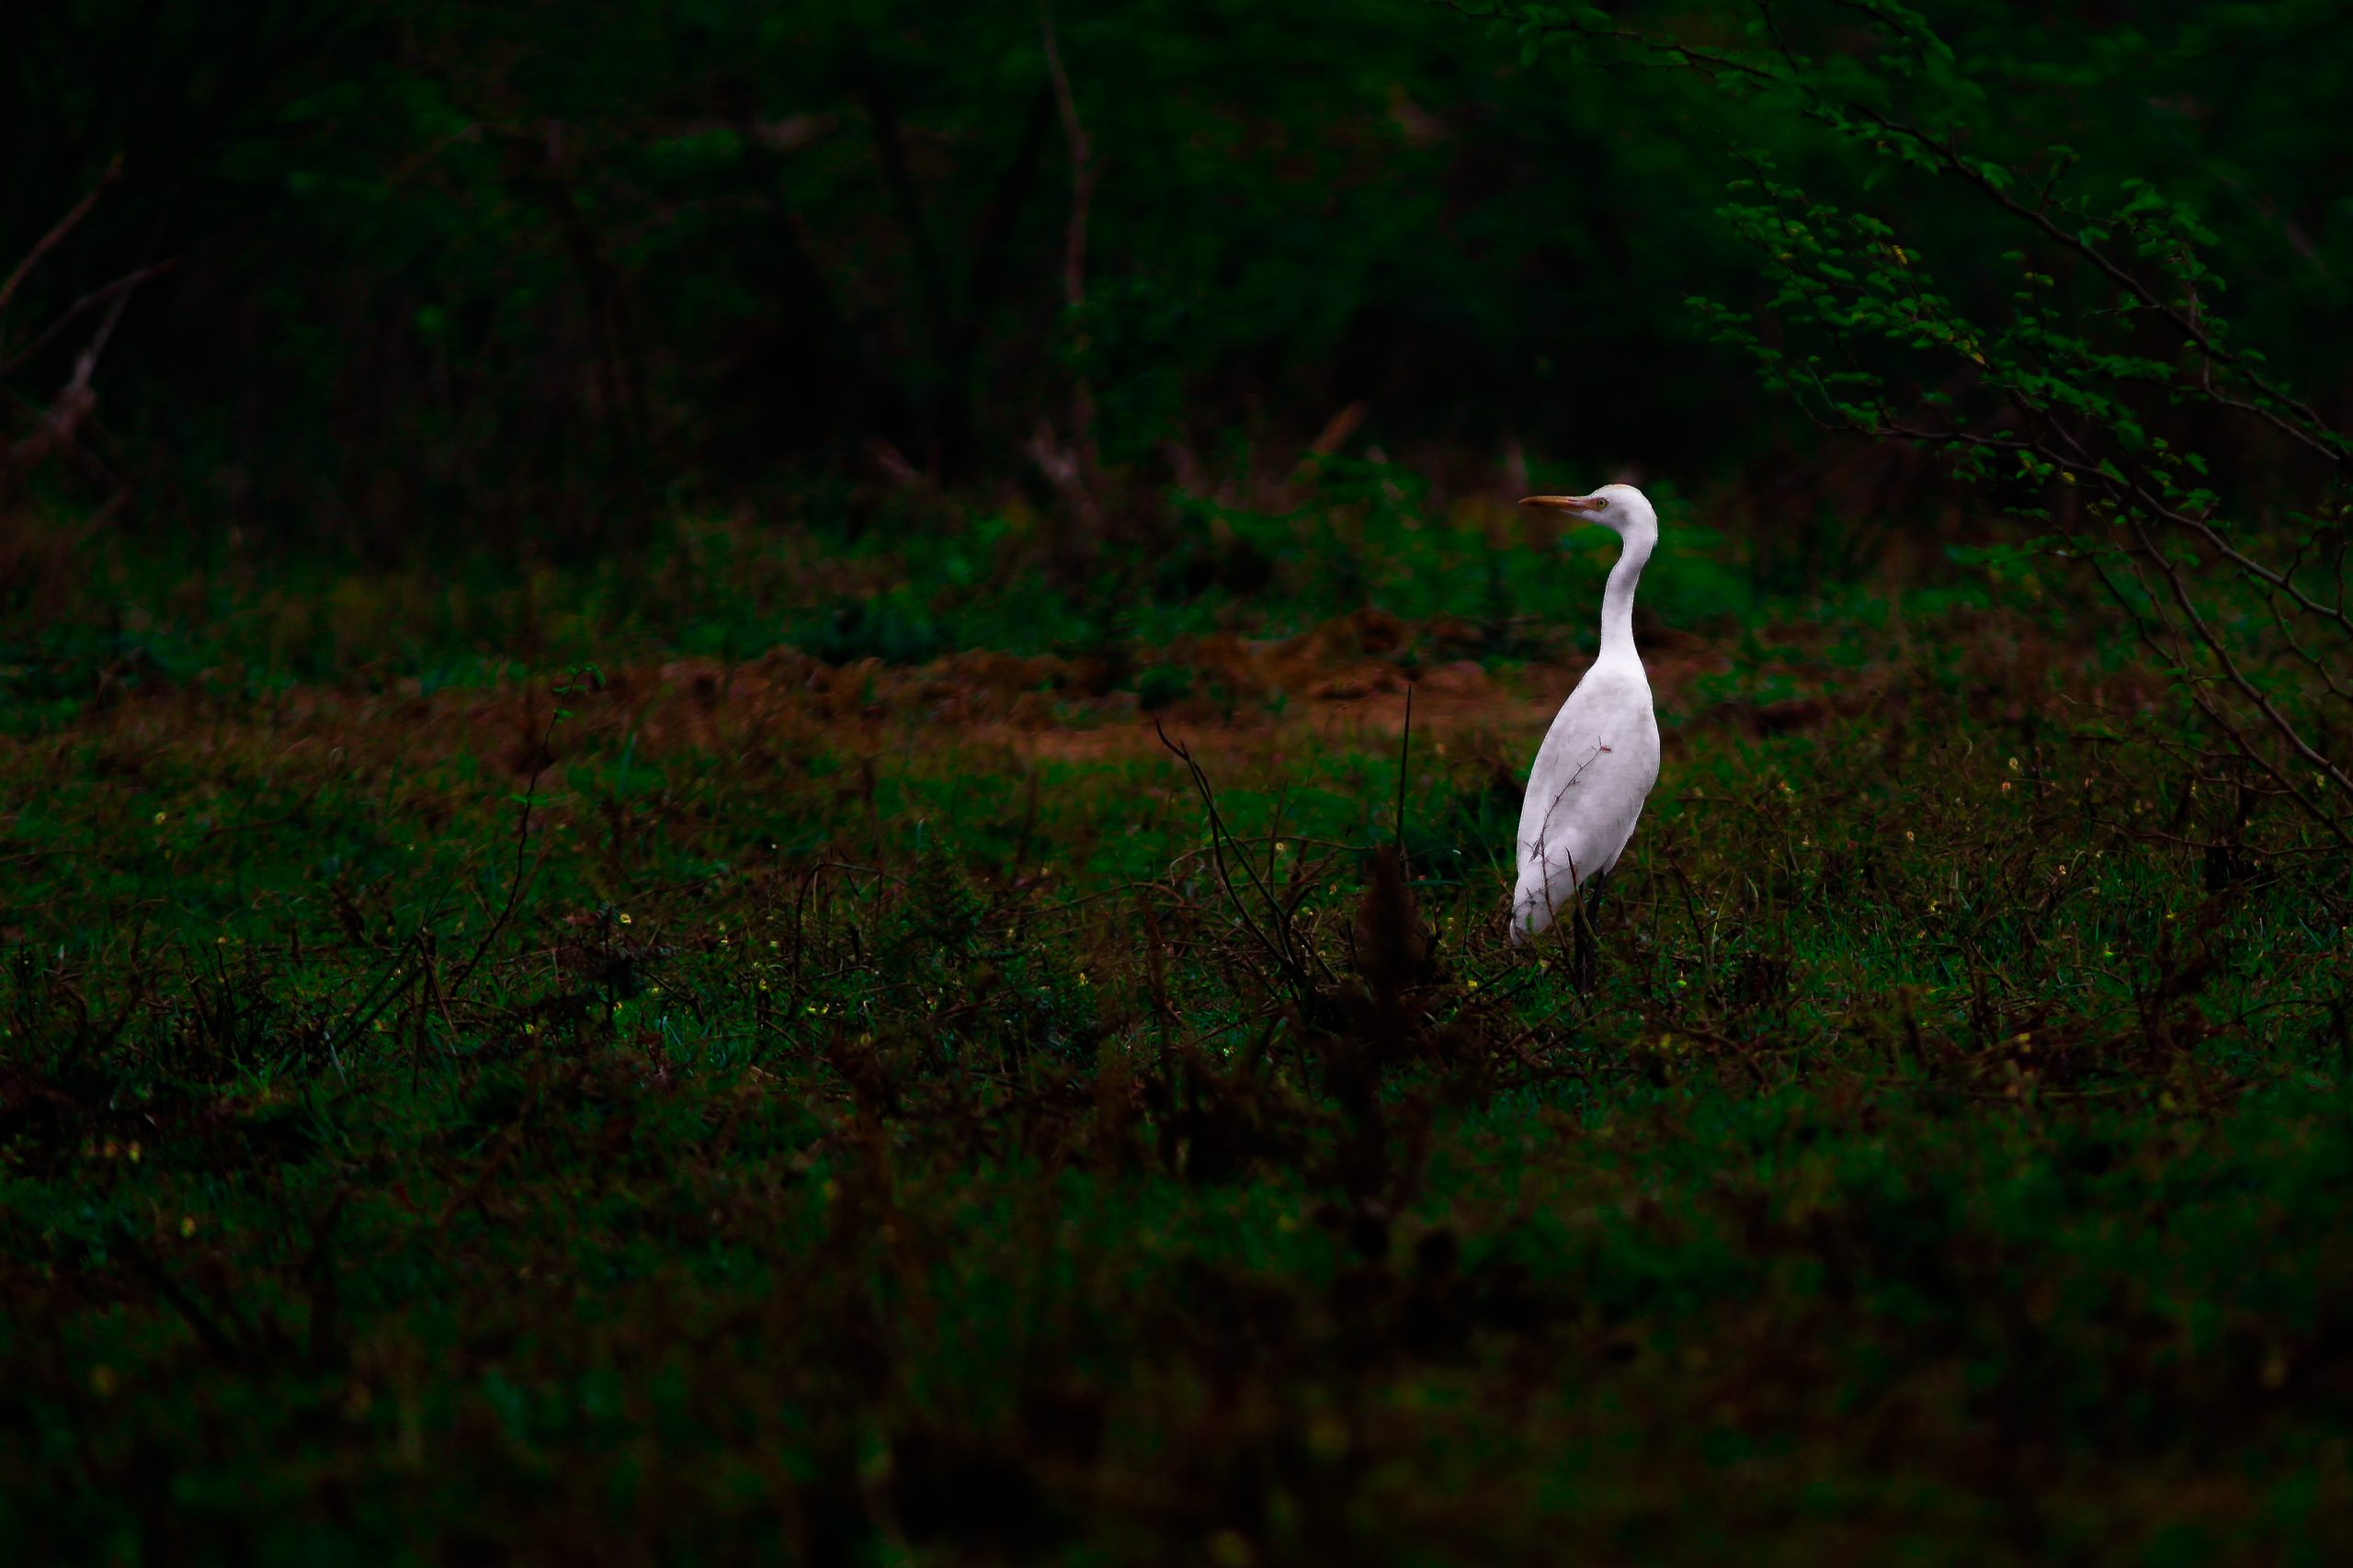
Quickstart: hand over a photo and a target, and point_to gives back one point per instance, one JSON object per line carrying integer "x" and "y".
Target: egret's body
{"x": 1600, "y": 758}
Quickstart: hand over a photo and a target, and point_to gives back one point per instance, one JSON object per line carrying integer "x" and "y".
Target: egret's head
{"x": 1619, "y": 507}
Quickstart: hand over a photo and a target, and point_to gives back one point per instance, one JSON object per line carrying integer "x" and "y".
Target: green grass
{"x": 773, "y": 1123}
{"x": 113, "y": 615}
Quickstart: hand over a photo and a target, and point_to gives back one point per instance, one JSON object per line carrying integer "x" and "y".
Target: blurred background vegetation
{"x": 423, "y": 279}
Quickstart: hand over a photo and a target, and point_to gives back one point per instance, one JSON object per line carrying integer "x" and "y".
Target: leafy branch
{"x": 2097, "y": 399}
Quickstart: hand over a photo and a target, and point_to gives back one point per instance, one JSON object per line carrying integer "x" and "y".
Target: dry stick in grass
{"x": 541, "y": 759}
{"x": 1284, "y": 953}
{"x": 1156, "y": 975}
{"x": 1703, "y": 932}
{"x": 808, "y": 885}
{"x": 378, "y": 997}
{"x": 1305, "y": 879}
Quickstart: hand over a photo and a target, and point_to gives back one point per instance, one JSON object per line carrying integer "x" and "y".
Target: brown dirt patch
{"x": 1340, "y": 684}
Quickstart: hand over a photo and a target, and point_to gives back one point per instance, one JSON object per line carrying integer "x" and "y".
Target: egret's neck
{"x": 1618, "y": 598}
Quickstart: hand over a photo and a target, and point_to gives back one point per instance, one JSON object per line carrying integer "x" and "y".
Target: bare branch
{"x": 74, "y": 400}
{"x": 63, "y": 227}
{"x": 49, "y": 333}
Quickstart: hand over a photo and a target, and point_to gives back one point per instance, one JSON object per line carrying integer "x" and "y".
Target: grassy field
{"x": 758, "y": 1056}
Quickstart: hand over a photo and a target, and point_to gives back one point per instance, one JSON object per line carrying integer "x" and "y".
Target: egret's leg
{"x": 1588, "y": 943}
{"x": 1581, "y": 955}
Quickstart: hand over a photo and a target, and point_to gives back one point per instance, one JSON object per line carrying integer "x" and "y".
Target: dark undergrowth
{"x": 633, "y": 1123}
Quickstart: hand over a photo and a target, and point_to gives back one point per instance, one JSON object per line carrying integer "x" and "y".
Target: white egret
{"x": 1600, "y": 758}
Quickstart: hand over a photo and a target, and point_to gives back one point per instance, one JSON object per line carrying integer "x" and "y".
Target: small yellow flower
{"x": 159, "y": 822}
{"x": 624, "y": 919}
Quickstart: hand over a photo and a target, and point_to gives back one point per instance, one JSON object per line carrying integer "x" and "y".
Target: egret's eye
{"x": 1601, "y": 501}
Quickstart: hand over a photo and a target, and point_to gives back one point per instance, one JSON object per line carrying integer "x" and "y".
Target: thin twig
{"x": 515, "y": 877}
{"x": 49, "y": 334}
{"x": 63, "y": 227}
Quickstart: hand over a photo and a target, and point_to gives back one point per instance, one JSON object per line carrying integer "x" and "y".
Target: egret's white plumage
{"x": 1600, "y": 758}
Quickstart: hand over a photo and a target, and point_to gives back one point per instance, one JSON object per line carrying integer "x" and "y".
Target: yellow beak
{"x": 1564, "y": 502}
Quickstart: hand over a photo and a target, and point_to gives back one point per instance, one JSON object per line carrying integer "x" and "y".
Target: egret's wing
{"x": 1585, "y": 793}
